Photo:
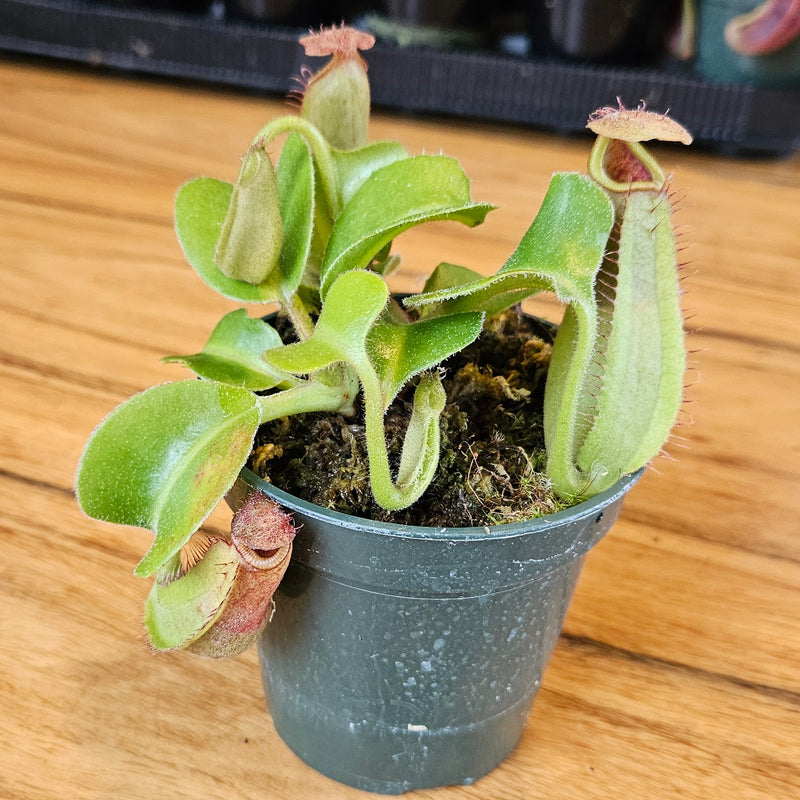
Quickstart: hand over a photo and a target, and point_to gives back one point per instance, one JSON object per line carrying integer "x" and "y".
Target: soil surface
{"x": 492, "y": 458}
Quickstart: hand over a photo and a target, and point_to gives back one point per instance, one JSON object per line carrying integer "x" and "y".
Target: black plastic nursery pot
{"x": 403, "y": 657}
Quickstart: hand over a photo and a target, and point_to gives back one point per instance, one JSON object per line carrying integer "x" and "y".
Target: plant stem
{"x": 298, "y": 314}
{"x": 309, "y": 396}
{"x": 321, "y": 152}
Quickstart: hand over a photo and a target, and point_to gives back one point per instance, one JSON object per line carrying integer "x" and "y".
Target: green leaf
{"x": 295, "y": 175}
{"x": 399, "y": 351}
{"x": 181, "y": 610}
{"x": 383, "y": 356}
{"x": 355, "y": 166}
{"x": 568, "y": 237}
{"x": 200, "y": 210}
{"x": 393, "y": 199}
{"x": 233, "y": 354}
{"x": 164, "y": 458}
{"x": 561, "y": 251}
{"x": 354, "y": 302}
{"x": 450, "y": 276}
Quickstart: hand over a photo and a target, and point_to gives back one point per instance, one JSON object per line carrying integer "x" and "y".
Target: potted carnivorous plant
{"x": 422, "y": 474}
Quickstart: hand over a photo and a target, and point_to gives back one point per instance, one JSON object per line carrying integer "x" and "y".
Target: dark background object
{"x": 196, "y": 6}
{"x": 282, "y": 12}
{"x": 418, "y": 12}
{"x": 528, "y": 87}
{"x": 618, "y": 31}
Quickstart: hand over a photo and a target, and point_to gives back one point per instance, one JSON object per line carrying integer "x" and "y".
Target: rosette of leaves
{"x": 312, "y": 231}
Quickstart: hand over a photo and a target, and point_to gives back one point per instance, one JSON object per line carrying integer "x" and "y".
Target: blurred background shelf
{"x": 491, "y": 71}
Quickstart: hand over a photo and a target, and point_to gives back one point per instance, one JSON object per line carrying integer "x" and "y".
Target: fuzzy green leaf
{"x": 233, "y": 354}
{"x": 295, "y": 174}
{"x": 450, "y": 276}
{"x": 201, "y": 206}
{"x": 353, "y": 304}
{"x": 164, "y": 458}
{"x": 181, "y": 610}
{"x": 399, "y": 351}
{"x": 200, "y": 209}
{"x": 489, "y": 295}
{"x": 383, "y": 358}
{"x": 393, "y": 199}
{"x": 561, "y": 251}
{"x": 568, "y": 237}
{"x": 355, "y": 166}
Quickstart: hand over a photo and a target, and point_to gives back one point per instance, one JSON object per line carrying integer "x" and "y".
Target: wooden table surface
{"x": 678, "y": 672}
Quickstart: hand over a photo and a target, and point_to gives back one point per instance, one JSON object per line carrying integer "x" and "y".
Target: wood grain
{"x": 678, "y": 673}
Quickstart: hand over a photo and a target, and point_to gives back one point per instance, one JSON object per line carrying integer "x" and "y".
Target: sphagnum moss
{"x": 491, "y": 465}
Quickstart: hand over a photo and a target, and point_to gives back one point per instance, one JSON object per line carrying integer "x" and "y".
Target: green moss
{"x": 492, "y": 463}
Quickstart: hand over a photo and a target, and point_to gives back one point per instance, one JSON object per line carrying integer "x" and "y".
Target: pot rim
{"x": 594, "y": 506}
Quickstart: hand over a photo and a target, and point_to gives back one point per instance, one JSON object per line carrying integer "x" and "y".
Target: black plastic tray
{"x": 546, "y": 93}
